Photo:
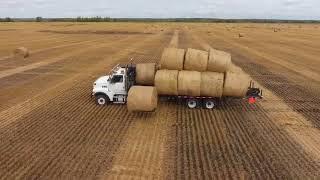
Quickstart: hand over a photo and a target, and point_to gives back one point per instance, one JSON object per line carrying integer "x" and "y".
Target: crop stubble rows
{"x": 66, "y": 66}
{"x": 142, "y": 153}
{"x": 68, "y": 136}
{"x": 298, "y": 90}
{"x": 235, "y": 141}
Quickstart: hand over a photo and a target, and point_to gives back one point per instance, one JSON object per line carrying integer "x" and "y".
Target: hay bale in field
{"x": 145, "y": 74}
{"x": 142, "y": 98}
{"x": 189, "y": 83}
{"x": 211, "y": 84}
{"x": 21, "y": 52}
{"x": 236, "y": 84}
{"x": 172, "y": 59}
{"x": 219, "y": 61}
{"x": 196, "y": 60}
{"x": 240, "y": 35}
{"x": 166, "y": 82}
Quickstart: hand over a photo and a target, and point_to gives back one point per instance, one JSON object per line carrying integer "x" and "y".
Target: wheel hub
{"x": 101, "y": 101}
{"x": 210, "y": 104}
{"x": 192, "y": 104}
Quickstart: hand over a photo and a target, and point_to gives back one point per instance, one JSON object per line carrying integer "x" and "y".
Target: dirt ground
{"x": 50, "y": 128}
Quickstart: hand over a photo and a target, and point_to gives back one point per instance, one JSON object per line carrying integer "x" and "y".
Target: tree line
{"x": 108, "y": 19}
{"x": 6, "y": 19}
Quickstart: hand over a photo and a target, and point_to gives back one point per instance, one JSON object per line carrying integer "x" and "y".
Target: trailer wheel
{"x": 210, "y": 103}
{"x": 192, "y": 103}
{"x": 102, "y": 100}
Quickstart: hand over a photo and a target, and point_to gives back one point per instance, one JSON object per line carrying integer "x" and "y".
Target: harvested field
{"x": 92, "y": 32}
{"x": 50, "y": 128}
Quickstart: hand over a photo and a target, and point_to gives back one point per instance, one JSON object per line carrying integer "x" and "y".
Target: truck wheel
{"x": 102, "y": 100}
{"x": 210, "y": 103}
{"x": 192, "y": 103}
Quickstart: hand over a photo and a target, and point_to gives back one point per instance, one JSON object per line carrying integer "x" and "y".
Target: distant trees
{"x": 39, "y": 19}
{"x": 7, "y": 19}
{"x": 108, "y": 19}
{"x": 82, "y": 19}
{"x": 93, "y": 19}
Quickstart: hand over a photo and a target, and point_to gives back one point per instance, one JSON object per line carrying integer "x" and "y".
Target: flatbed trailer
{"x": 114, "y": 88}
{"x": 212, "y": 102}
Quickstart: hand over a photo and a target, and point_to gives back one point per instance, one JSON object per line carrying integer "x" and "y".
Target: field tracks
{"x": 304, "y": 137}
{"x": 50, "y": 127}
{"x": 299, "y": 69}
{"x": 290, "y": 119}
{"x": 175, "y": 40}
{"x": 238, "y": 140}
{"x": 143, "y": 151}
{"x": 35, "y": 65}
{"x": 60, "y": 142}
{"x": 50, "y": 48}
{"x": 19, "y": 110}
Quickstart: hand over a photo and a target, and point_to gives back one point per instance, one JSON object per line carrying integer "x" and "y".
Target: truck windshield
{"x": 117, "y": 79}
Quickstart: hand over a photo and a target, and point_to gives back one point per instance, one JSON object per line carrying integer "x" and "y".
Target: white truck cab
{"x": 114, "y": 87}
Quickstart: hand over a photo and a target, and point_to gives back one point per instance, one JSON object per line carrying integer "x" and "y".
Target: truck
{"x": 114, "y": 88}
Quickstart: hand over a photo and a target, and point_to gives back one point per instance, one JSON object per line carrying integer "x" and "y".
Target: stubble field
{"x": 50, "y": 128}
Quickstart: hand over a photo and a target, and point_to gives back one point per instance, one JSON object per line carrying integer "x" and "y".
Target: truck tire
{"x": 102, "y": 100}
{"x": 210, "y": 103}
{"x": 192, "y": 103}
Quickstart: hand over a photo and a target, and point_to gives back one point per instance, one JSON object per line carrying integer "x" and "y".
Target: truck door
{"x": 118, "y": 84}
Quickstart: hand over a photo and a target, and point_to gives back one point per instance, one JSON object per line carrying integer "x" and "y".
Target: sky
{"x": 238, "y": 9}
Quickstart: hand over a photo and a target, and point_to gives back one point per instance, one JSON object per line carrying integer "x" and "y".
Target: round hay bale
{"x": 142, "y": 98}
{"x": 172, "y": 59}
{"x": 196, "y": 60}
{"x": 236, "y": 84}
{"x": 166, "y": 82}
{"x": 145, "y": 74}
{"x": 212, "y": 84}
{"x": 189, "y": 83}
{"x": 21, "y": 52}
{"x": 219, "y": 61}
{"x": 234, "y": 68}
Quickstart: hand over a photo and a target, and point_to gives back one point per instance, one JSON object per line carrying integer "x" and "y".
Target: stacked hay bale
{"x": 166, "y": 82}
{"x": 172, "y": 59}
{"x": 219, "y": 61}
{"x": 187, "y": 73}
{"x": 144, "y": 96}
{"x": 189, "y": 83}
{"x": 234, "y": 68}
{"x": 235, "y": 84}
{"x": 145, "y": 74}
{"x": 211, "y": 84}
{"x": 209, "y": 74}
{"x": 196, "y": 60}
